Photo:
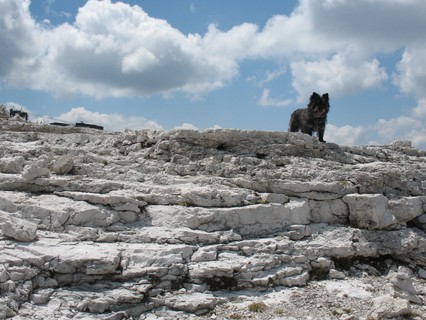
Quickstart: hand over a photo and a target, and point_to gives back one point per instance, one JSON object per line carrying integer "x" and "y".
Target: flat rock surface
{"x": 216, "y": 224}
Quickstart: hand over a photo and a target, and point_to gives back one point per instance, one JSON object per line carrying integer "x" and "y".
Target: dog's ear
{"x": 314, "y": 96}
{"x": 325, "y": 96}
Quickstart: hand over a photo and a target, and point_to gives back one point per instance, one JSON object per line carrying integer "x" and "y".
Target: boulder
{"x": 401, "y": 285}
{"x": 406, "y": 209}
{"x": 19, "y": 229}
{"x": 198, "y": 303}
{"x": 63, "y": 165}
{"x": 34, "y": 171}
{"x": 370, "y": 211}
{"x": 12, "y": 165}
{"x": 386, "y": 306}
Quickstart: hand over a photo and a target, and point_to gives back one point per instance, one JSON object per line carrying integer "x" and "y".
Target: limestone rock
{"x": 406, "y": 209}
{"x": 421, "y": 222}
{"x": 422, "y": 273}
{"x": 254, "y": 219}
{"x": 19, "y": 229}
{"x": 400, "y": 285}
{"x": 12, "y": 165}
{"x": 370, "y": 212}
{"x": 198, "y": 303}
{"x": 63, "y": 165}
{"x": 175, "y": 224}
{"x": 31, "y": 172}
{"x": 389, "y": 307}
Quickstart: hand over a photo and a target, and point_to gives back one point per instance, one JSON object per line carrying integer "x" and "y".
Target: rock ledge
{"x": 188, "y": 224}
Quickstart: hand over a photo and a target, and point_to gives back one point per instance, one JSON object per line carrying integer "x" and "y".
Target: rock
{"x": 34, "y": 171}
{"x": 406, "y": 209}
{"x": 274, "y": 198}
{"x": 12, "y": 165}
{"x": 421, "y": 222}
{"x": 42, "y": 296}
{"x": 19, "y": 229}
{"x": 115, "y": 199}
{"x": 198, "y": 303}
{"x": 401, "y": 285}
{"x": 3, "y": 274}
{"x": 205, "y": 254}
{"x": 389, "y": 307}
{"x": 369, "y": 211}
{"x": 63, "y": 165}
{"x": 175, "y": 224}
{"x": 333, "y": 211}
{"x": 422, "y": 273}
{"x": 254, "y": 219}
{"x": 99, "y": 305}
{"x": 298, "y": 232}
{"x": 6, "y": 312}
{"x": 335, "y": 274}
{"x": 6, "y": 204}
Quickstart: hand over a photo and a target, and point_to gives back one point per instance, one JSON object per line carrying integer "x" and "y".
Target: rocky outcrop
{"x": 176, "y": 224}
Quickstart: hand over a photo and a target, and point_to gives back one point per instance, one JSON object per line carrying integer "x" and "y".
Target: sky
{"x": 200, "y": 64}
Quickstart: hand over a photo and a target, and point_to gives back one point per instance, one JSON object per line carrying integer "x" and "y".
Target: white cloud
{"x": 347, "y": 135}
{"x": 266, "y": 101}
{"x": 420, "y": 111}
{"x": 339, "y": 75}
{"x": 18, "y": 37}
{"x": 271, "y": 76}
{"x": 382, "y": 24}
{"x": 403, "y": 128}
{"x": 114, "y": 49}
{"x": 400, "y": 128}
{"x": 117, "y": 50}
{"x": 111, "y": 122}
{"x": 187, "y": 126}
{"x": 411, "y": 71}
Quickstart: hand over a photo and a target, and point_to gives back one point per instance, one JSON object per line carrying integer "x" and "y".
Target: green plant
{"x": 279, "y": 311}
{"x": 262, "y": 201}
{"x": 235, "y": 316}
{"x": 257, "y": 307}
{"x": 185, "y": 204}
{"x": 348, "y": 310}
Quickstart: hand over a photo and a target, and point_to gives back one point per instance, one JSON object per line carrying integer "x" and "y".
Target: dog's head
{"x": 319, "y": 105}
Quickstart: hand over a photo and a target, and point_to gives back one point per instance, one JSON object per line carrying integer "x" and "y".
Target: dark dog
{"x": 313, "y": 118}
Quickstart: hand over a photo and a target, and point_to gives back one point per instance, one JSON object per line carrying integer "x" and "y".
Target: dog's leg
{"x": 307, "y": 128}
{"x": 293, "y": 126}
{"x": 321, "y": 133}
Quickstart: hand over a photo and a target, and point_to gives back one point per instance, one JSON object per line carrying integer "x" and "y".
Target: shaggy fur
{"x": 313, "y": 118}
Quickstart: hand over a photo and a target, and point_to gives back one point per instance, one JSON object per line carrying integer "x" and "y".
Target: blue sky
{"x": 244, "y": 64}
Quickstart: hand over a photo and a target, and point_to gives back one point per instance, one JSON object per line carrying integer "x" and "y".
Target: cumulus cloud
{"x": 382, "y": 24}
{"x": 347, "y": 135}
{"x": 111, "y": 122}
{"x": 338, "y": 75}
{"x": 403, "y": 128}
{"x": 411, "y": 71}
{"x": 115, "y": 49}
{"x": 18, "y": 36}
{"x": 420, "y": 111}
{"x": 187, "y": 126}
{"x": 266, "y": 101}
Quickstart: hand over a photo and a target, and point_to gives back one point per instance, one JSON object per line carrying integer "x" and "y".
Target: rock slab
{"x": 186, "y": 224}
